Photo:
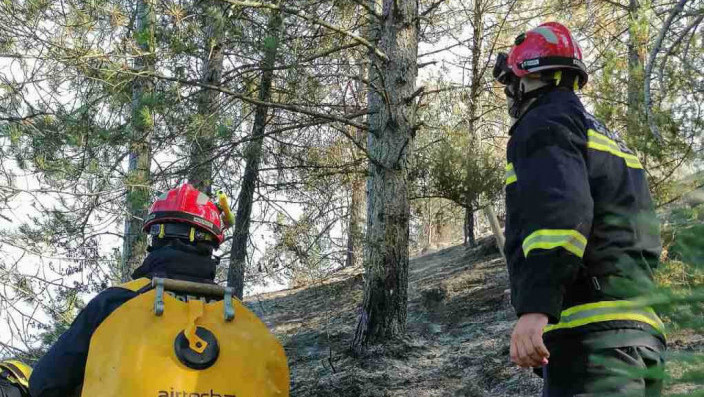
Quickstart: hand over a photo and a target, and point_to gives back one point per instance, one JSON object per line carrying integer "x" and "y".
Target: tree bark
{"x": 391, "y": 130}
{"x": 477, "y": 58}
{"x": 200, "y": 173}
{"x": 474, "y": 94}
{"x": 637, "y": 42}
{"x": 355, "y": 226}
{"x": 469, "y": 238}
{"x": 358, "y": 196}
{"x": 138, "y": 179}
{"x": 495, "y": 228}
{"x": 649, "y": 68}
{"x": 238, "y": 257}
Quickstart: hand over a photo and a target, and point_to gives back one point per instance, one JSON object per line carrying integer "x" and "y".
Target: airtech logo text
{"x": 173, "y": 393}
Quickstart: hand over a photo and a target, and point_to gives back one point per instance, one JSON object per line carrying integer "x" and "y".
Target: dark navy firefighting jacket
{"x": 9, "y": 389}
{"x": 582, "y": 236}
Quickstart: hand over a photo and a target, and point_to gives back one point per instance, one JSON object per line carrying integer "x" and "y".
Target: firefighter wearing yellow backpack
{"x": 14, "y": 376}
{"x": 171, "y": 332}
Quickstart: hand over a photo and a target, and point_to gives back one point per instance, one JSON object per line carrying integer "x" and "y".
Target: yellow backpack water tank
{"x": 156, "y": 345}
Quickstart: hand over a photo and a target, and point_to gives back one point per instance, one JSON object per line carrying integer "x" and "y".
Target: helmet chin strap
{"x": 523, "y": 91}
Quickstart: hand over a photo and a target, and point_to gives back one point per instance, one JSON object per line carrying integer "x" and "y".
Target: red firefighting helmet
{"x": 550, "y": 46}
{"x": 185, "y": 212}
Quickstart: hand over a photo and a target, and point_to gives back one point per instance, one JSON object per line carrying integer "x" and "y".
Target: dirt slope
{"x": 459, "y": 324}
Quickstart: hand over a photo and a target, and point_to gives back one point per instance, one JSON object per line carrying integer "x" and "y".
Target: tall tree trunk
{"x": 477, "y": 59}
{"x": 637, "y": 42}
{"x": 355, "y": 226}
{"x": 203, "y": 138}
{"x": 469, "y": 239}
{"x": 358, "y": 196}
{"x": 138, "y": 181}
{"x": 238, "y": 257}
{"x": 475, "y": 86}
{"x": 390, "y": 138}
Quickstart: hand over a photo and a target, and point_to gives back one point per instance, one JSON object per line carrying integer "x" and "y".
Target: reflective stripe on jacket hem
{"x": 571, "y": 240}
{"x": 590, "y": 313}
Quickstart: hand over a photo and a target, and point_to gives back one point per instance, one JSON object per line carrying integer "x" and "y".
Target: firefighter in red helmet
{"x": 581, "y": 231}
{"x": 185, "y": 227}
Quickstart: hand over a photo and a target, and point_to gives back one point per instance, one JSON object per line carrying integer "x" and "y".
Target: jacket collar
{"x": 177, "y": 263}
{"x": 560, "y": 96}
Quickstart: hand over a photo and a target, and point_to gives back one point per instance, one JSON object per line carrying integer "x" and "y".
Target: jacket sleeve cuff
{"x": 539, "y": 286}
{"x": 537, "y": 299}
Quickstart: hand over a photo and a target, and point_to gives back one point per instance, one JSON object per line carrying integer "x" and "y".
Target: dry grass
{"x": 459, "y": 324}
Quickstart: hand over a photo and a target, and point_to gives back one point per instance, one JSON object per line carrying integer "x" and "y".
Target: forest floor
{"x": 459, "y": 326}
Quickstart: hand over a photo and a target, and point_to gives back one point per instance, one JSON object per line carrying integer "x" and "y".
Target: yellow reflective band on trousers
{"x": 597, "y": 312}
{"x": 510, "y": 174}
{"x": 603, "y": 143}
{"x": 571, "y": 240}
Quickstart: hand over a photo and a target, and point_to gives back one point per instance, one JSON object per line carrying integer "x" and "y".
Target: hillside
{"x": 459, "y": 324}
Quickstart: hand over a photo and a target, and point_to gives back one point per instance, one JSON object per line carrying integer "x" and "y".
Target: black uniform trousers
{"x": 587, "y": 366}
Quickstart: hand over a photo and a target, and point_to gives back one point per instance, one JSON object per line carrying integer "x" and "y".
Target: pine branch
{"x": 256, "y": 66}
{"x": 234, "y": 94}
{"x": 432, "y": 7}
{"x": 649, "y": 68}
{"x": 363, "y": 4}
{"x": 301, "y": 14}
{"x": 12, "y": 119}
{"x": 616, "y": 4}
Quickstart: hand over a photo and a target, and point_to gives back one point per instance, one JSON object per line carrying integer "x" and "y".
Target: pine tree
{"x": 392, "y": 125}
{"x": 270, "y": 45}
{"x": 138, "y": 178}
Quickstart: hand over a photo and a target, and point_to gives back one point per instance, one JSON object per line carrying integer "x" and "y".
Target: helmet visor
{"x": 502, "y": 73}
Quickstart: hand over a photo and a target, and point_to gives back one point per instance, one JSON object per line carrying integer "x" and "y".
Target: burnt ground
{"x": 459, "y": 325}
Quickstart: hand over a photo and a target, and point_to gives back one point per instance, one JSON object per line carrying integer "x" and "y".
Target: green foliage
{"x": 464, "y": 179}
{"x": 680, "y": 282}
{"x": 146, "y": 119}
{"x": 270, "y": 43}
{"x": 144, "y": 37}
{"x": 300, "y": 250}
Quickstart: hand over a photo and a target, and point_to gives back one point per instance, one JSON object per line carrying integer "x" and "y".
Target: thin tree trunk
{"x": 429, "y": 229}
{"x": 238, "y": 257}
{"x": 391, "y": 129}
{"x": 477, "y": 58}
{"x": 469, "y": 239}
{"x": 647, "y": 99}
{"x": 474, "y": 94}
{"x": 637, "y": 41}
{"x": 203, "y": 139}
{"x": 355, "y": 226}
{"x": 495, "y": 228}
{"x": 138, "y": 179}
{"x": 358, "y": 199}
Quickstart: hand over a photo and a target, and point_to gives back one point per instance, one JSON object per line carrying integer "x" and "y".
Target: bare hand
{"x": 527, "y": 347}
